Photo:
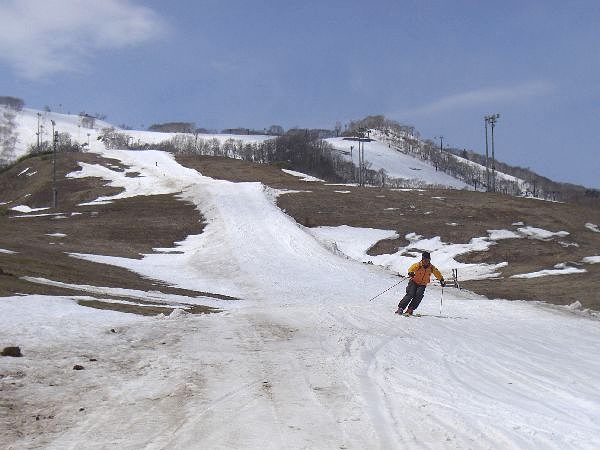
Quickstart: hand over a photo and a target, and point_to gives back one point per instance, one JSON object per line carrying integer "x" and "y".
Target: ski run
{"x": 303, "y": 360}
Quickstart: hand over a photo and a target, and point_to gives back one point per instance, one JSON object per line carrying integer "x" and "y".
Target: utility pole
{"x": 492, "y": 123}
{"x": 487, "y": 166}
{"x": 359, "y": 163}
{"x": 441, "y": 151}
{"x": 361, "y": 155}
{"x": 38, "y": 132}
{"x": 364, "y": 167}
{"x": 54, "y": 142}
{"x": 491, "y": 119}
{"x": 360, "y": 139}
{"x": 438, "y": 161}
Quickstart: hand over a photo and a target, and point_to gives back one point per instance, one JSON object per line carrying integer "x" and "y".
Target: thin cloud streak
{"x": 39, "y": 38}
{"x": 485, "y": 96}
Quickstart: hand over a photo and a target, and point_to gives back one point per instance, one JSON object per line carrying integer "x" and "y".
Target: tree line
{"x": 9, "y": 106}
{"x": 305, "y": 150}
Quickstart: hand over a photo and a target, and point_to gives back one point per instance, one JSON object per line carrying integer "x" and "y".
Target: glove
{"x": 411, "y": 274}
{"x": 443, "y": 282}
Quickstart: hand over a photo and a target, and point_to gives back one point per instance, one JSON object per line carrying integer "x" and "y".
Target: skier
{"x": 419, "y": 273}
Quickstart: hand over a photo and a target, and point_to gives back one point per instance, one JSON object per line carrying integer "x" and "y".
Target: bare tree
{"x": 275, "y": 130}
{"x": 338, "y": 128}
{"x": 87, "y": 121}
{"x": 8, "y": 135}
{"x": 14, "y": 103}
{"x": 114, "y": 139}
{"x": 173, "y": 127}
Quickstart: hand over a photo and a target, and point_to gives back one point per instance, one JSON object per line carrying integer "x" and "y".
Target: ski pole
{"x": 381, "y": 293}
{"x": 441, "y": 300}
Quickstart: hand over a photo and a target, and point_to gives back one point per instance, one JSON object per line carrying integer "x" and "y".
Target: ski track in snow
{"x": 317, "y": 376}
{"x": 304, "y": 361}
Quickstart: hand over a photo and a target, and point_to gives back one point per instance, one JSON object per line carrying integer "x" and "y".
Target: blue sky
{"x": 438, "y": 65}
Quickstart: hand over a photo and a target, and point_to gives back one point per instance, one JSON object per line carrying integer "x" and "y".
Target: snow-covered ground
{"x": 383, "y": 153}
{"x": 305, "y": 358}
{"x": 28, "y": 120}
{"x": 396, "y": 163}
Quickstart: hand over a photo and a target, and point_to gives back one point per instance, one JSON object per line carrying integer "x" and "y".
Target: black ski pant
{"x": 414, "y": 295}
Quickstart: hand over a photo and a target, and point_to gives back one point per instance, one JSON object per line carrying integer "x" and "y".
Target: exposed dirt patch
{"x": 559, "y": 289}
{"x": 144, "y": 310}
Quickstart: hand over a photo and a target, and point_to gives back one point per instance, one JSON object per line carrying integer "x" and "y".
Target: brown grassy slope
{"x": 456, "y": 216}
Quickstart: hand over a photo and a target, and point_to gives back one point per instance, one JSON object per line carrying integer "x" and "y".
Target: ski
{"x": 430, "y": 315}
{"x": 408, "y": 315}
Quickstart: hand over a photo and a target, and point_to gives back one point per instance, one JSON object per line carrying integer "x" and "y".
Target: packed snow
{"x": 546, "y": 272}
{"x": 592, "y": 227}
{"x": 305, "y": 358}
{"x": 26, "y": 209}
{"x": 592, "y": 259}
{"x": 300, "y": 175}
{"x": 540, "y": 233}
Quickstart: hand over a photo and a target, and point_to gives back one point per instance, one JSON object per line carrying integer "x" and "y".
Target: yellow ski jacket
{"x": 423, "y": 274}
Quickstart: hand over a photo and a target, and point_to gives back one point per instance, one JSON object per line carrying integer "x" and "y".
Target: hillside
{"x": 185, "y": 301}
{"x": 455, "y": 217}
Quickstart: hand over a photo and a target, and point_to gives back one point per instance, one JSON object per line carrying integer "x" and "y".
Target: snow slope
{"x": 396, "y": 163}
{"x": 27, "y": 122}
{"x": 385, "y": 153}
{"x": 304, "y": 359}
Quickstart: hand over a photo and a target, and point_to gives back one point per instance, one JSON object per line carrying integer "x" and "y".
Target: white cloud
{"x": 481, "y": 97}
{"x": 42, "y": 37}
